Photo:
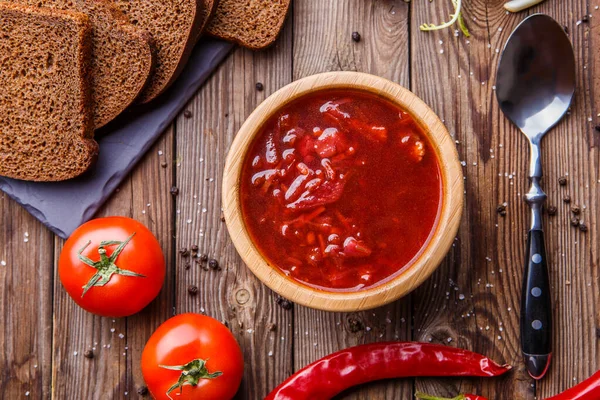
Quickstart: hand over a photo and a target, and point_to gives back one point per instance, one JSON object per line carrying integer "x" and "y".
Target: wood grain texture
{"x": 25, "y": 304}
{"x": 231, "y": 294}
{"x": 473, "y": 299}
{"x": 323, "y": 42}
{"x": 153, "y": 205}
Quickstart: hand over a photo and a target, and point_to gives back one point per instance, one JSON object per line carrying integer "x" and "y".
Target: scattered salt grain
{"x": 160, "y": 153}
{"x": 270, "y": 354}
{"x": 112, "y": 330}
{"x": 449, "y": 340}
{"x": 3, "y": 263}
{"x": 461, "y": 296}
{"x": 26, "y": 393}
{"x": 121, "y": 336}
{"x": 441, "y": 51}
{"x": 74, "y": 353}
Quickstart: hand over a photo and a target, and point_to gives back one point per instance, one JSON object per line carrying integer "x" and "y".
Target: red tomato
{"x": 112, "y": 266}
{"x": 192, "y": 357}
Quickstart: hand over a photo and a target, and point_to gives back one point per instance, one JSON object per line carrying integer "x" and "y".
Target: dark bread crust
{"x": 254, "y": 24}
{"x": 122, "y": 68}
{"x": 164, "y": 73}
{"x": 26, "y": 150}
{"x": 208, "y": 12}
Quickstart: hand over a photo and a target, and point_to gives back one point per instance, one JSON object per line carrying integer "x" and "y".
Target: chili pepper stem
{"x": 423, "y": 396}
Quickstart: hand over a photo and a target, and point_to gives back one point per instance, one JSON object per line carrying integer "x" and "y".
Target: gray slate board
{"x": 63, "y": 206}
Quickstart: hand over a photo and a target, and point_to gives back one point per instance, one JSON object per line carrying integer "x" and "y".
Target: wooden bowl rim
{"x": 424, "y": 264}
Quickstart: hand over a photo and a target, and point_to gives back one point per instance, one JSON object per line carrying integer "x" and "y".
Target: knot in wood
{"x": 242, "y": 296}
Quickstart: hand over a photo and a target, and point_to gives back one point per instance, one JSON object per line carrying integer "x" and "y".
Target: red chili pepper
{"x": 586, "y": 390}
{"x": 339, "y": 371}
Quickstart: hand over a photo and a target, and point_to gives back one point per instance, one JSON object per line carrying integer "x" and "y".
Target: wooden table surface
{"x": 472, "y": 301}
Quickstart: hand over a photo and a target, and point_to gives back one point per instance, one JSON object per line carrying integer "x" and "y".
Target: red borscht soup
{"x": 341, "y": 190}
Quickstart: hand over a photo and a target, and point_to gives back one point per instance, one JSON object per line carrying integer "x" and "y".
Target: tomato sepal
{"x": 191, "y": 374}
{"x": 106, "y": 266}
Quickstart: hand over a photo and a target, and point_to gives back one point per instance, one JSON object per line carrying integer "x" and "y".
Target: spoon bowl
{"x": 536, "y": 76}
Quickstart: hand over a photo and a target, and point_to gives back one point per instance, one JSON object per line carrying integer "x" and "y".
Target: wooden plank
{"x": 232, "y": 294}
{"x": 323, "y": 42}
{"x": 25, "y": 304}
{"x": 153, "y": 205}
{"x": 117, "y": 343}
{"x": 486, "y": 264}
{"x": 572, "y": 149}
{"x": 472, "y": 301}
{"x": 76, "y": 331}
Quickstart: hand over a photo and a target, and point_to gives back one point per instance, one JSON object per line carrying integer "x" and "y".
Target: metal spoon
{"x": 535, "y": 85}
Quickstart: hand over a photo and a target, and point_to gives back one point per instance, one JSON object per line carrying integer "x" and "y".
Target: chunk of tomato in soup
{"x": 341, "y": 190}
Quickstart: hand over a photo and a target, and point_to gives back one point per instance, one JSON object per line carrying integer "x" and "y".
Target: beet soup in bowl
{"x": 342, "y": 191}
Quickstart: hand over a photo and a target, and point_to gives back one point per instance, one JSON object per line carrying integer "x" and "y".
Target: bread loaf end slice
{"x": 174, "y": 26}
{"x": 208, "y": 11}
{"x": 45, "y": 112}
{"x": 251, "y": 23}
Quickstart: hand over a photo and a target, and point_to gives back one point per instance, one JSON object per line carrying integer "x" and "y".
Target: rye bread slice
{"x": 174, "y": 26}
{"x": 251, "y": 23}
{"x": 45, "y": 111}
{"x": 208, "y": 11}
{"x": 122, "y": 57}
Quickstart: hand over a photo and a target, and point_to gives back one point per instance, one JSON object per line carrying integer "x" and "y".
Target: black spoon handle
{"x": 536, "y": 311}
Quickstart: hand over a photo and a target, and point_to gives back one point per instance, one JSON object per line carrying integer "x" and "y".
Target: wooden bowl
{"x": 413, "y": 275}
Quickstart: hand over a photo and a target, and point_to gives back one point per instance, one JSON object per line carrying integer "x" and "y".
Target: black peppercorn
{"x": 213, "y": 264}
{"x": 585, "y": 19}
{"x": 597, "y": 128}
{"x": 187, "y": 266}
{"x": 187, "y": 114}
{"x": 88, "y": 354}
{"x": 194, "y": 248}
{"x": 562, "y": 181}
{"x": 356, "y": 36}
{"x": 583, "y": 227}
{"x": 164, "y": 164}
{"x": 174, "y": 190}
{"x": 552, "y": 210}
{"x": 184, "y": 252}
{"x": 355, "y": 325}
{"x": 566, "y": 29}
{"x": 575, "y": 209}
{"x": 142, "y": 390}
{"x": 259, "y": 86}
{"x": 501, "y": 209}
{"x": 193, "y": 290}
{"x": 575, "y": 221}
{"x": 567, "y": 199}
{"x": 203, "y": 257}
{"x": 284, "y": 303}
